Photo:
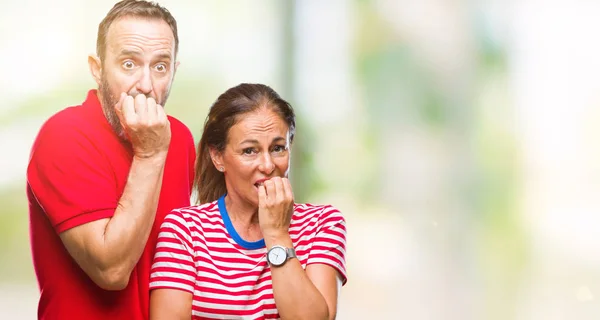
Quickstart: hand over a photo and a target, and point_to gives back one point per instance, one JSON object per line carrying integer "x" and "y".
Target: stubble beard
{"x": 108, "y": 101}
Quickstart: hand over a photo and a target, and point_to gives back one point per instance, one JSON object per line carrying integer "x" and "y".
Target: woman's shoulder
{"x": 322, "y": 211}
{"x": 313, "y": 206}
{"x": 195, "y": 213}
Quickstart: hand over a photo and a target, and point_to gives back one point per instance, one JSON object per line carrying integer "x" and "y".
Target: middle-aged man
{"x": 103, "y": 175}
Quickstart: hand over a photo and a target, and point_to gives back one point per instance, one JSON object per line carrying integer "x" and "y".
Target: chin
{"x": 253, "y": 198}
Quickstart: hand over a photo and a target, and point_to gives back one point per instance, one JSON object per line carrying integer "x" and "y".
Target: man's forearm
{"x": 127, "y": 231}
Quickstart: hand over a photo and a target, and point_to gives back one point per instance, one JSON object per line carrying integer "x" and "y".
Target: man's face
{"x": 139, "y": 58}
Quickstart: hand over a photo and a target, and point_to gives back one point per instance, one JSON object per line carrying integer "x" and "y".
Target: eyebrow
{"x": 136, "y": 53}
{"x": 126, "y": 52}
{"x": 164, "y": 56}
{"x": 254, "y": 141}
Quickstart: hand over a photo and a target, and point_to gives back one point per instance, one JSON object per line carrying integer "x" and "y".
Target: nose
{"x": 144, "y": 84}
{"x": 266, "y": 165}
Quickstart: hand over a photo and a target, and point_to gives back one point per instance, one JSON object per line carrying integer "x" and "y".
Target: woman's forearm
{"x": 296, "y": 297}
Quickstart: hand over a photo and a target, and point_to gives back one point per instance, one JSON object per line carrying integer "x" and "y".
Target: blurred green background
{"x": 457, "y": 137}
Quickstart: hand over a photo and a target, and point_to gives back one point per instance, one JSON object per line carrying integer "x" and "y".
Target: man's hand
{"x": 145, "y": 123}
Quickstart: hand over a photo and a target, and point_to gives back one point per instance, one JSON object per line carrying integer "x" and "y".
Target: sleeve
{"x": 173, "y": 266}
{"x": 329, "y": 244}
{"x": 180, "y": 130}
{"x": 70, "y": 178}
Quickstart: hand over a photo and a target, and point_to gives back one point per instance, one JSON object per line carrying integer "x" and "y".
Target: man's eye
{"x": 161, "y": 68}
{"x": 128, "y": 65}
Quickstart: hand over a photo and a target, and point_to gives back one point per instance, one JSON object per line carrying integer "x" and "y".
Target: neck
{"x": 240, "y": 211}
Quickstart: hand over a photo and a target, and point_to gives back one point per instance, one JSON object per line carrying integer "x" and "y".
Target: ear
{"x": 95, "y": 68}
{"x": 290, "y": 139}
{"x": 175, "y": 66}
{"x": 216, "y": 157}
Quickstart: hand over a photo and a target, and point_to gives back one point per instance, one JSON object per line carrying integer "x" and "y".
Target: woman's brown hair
{"x": 225, "y": 112}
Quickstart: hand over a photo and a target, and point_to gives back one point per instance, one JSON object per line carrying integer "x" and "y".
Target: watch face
{"x": 277, "y": 256}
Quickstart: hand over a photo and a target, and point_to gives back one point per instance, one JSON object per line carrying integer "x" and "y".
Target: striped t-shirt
{"x": 199, "y": 251}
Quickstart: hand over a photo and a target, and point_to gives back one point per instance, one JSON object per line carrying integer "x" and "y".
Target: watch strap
{"x": 291, "y": 253}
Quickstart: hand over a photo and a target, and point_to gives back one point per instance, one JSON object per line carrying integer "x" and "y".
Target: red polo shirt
{"x": 77, "y": 171}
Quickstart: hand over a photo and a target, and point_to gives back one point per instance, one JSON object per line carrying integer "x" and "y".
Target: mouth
{"x": 259, "y": 183}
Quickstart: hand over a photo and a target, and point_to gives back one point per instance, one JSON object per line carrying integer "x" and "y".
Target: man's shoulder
{"x": 178, "y": 126}
{"x": 72, "y": 129}
{"x": 66, "y": 123}
{"x": 85, "y": 117}
{"x": 66, "y": 117}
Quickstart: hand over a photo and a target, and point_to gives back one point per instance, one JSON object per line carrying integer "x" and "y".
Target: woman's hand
{"x": 275, "y": 207}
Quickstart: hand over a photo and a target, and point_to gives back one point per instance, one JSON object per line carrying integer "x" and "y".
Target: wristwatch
{"x": 278, "y": 255}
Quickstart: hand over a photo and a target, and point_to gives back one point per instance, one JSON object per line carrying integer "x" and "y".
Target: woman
{"x": 248, "y": 251}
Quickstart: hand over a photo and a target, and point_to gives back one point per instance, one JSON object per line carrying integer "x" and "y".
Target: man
{"x": 103, "y": 175}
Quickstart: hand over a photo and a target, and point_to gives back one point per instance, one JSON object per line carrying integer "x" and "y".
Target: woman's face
{"x": 258, "y": 148}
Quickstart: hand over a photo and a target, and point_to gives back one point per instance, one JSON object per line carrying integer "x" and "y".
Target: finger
{"x": 128, "y": 109}
{"x": 157, "y": 105}
{"x": 262, "y": 196}
{"x": 279, "y": 192}
{"x": 119, "y": 106}
{"x": 287, "y": 189}
{"x": 270, "y": 188}
{"x": 161, "y": 115}
{"x": 152, "y": 114}
{"x": 141, "y": 107}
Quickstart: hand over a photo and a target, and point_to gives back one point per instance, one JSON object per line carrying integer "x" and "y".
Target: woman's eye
{"x": 279, "y": 148}
{"x": 248, "y": 150}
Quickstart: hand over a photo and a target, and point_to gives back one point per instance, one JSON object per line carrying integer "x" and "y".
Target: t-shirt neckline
{"x": 231, "y": 230}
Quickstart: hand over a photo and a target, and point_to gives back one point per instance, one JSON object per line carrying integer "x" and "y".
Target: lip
{"x": 260, "y": 181}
